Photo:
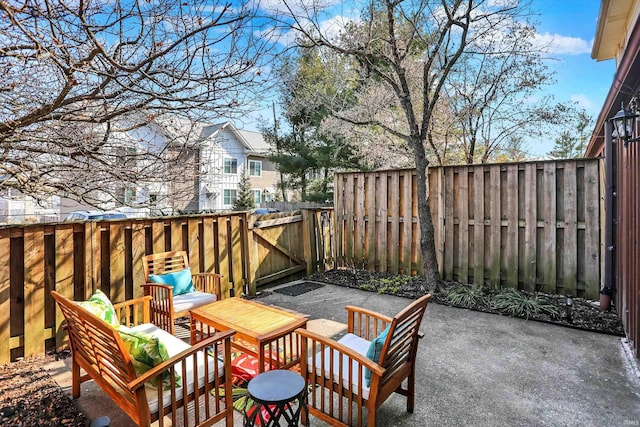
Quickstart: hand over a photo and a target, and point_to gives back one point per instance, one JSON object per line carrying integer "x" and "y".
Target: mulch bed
{"x": 30, "y": 397}
{"x": 584, "y": 314}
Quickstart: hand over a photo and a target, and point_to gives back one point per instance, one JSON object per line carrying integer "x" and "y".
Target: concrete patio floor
{"x": 473, "y": 369}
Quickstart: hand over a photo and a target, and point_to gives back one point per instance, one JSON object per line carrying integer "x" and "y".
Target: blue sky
{"x": 569, "y": 27}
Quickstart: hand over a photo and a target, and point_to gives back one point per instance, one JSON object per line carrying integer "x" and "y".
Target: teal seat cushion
{"x": 374, "y": 351}
{"x": 180, "y": 281}
{"x": 99, "y": 305}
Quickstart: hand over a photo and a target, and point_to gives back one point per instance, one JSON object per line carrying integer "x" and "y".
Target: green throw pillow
{"x": 147, "y": 351}
{"x": 180, "y": 281}
{"x": 100, "y": 306}
{"x": 374, "y": 351}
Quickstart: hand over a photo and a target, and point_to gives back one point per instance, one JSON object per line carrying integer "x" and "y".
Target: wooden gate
{"x": 290, "y": 244}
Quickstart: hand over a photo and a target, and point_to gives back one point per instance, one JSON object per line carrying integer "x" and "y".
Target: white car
{"x": 93, "y": 215}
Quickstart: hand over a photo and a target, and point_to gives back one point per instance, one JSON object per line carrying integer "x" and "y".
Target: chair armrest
{"x": 365, "y": 323}
{"x": 161, "y": 305}
{"x": 134, "y": 311}
{"x": 223, "y": 338}
{"x": 209, "y": 283}
{"x": 312, "y": 340}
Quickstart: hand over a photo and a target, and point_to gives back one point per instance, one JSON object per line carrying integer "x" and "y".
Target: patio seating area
{"x": 472, "y": 368}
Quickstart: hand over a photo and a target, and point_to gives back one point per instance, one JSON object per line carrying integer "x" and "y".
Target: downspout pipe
{"x": 608, "y": 290}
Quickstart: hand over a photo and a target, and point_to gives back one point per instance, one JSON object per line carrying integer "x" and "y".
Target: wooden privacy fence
{"x": 77, "y": 258}
{"x": 532, "y": 226}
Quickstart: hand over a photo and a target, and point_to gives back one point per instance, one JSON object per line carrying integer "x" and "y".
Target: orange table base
{"x": 262, "y": 331}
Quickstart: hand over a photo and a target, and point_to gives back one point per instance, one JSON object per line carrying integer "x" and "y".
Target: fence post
{"x": 251, "y": 254}
{"x": 308, "y": 238}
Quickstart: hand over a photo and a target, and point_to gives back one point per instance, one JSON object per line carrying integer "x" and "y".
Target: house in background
{"x": 17, "y": 208}
{"x": 618, "y": 37}
{"x": 225, "y": 153}
{"x": 208, "y": 162}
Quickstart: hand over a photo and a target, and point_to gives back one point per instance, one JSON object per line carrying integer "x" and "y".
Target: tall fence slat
{"x": 530, "y": 227}
{"x": 510, "y": 213}
{"x": 380, "y": 203}
{"x": 449, "y": 231}
{"x": 372, "y": 220}
{"x": 407, "y": 221}
{"x": 33, "y": 291}
{"x": 548, "y": 255}
{"x": 138, "y": 243}
{"x": 495, "y": 226}
{"x": 478, "y": 226}
{"x": 570, "y": 230}
{"x": 116, "y": 258}
{"x": 64, "y": 275}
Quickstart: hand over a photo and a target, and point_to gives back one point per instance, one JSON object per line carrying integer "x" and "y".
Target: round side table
{"x": 279, "y": 395}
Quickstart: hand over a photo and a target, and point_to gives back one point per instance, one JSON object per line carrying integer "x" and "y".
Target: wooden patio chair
{"x": 198, "y": 378}
{"x": 167, "y": 305}
{"x": 337, "y": 370}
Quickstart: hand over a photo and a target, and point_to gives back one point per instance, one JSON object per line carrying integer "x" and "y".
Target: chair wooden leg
{"x": 371, "y": 417}
{"x": 411, "y": 389}
{"x": 75, "y": 379}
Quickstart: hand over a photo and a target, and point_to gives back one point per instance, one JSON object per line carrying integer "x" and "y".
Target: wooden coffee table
{"x": 262, "y": 331}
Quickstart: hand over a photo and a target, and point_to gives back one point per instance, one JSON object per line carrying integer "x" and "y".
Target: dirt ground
{"x": 30, "y": 397}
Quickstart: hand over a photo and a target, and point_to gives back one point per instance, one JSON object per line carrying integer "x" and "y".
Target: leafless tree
{"x": 494, "y": 93}
{"x": 82, "y": 78}
{"x": 395, "y": 37}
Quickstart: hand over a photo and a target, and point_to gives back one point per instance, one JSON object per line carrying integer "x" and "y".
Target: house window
{"x": 257, "y": 196}
{"x": 127, "y": 196}
{"x": 255, "y": 168}
{"x": 229, "y": 197}
{"x": 230, "y": 166}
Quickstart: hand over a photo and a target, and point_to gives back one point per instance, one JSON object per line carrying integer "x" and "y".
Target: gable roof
{"x": 252, "y": 141}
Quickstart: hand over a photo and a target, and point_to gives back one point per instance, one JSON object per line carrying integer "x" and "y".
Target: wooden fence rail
{"x": 77, "y": 258}
{"x": 532, "y": 226}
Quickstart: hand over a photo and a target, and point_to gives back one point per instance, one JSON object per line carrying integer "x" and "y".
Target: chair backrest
{"x": 99, "y": 350}
{"x": 400, "y": 347}
{"x": 164, "y": 262}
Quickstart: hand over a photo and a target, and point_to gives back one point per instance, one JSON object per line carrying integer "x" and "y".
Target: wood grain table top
{"x": 249, "y": 317}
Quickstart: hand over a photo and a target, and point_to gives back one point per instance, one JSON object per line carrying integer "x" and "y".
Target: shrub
{"x": 472, "y": 296}
{"x": 515, "y": 303}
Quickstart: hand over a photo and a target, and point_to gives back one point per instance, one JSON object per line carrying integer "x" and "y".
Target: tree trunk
{"x": 427, "y": 232}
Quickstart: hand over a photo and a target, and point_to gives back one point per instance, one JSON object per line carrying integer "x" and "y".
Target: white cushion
{"x": 174, "y": 346}
{"x": 192, "y": 300}
{"x": 354, "y": 342}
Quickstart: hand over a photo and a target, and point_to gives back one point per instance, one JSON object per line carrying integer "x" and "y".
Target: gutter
{"x": 608, "y": 290}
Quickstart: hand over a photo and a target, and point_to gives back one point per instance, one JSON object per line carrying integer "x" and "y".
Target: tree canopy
{"x": 407, "y": 55}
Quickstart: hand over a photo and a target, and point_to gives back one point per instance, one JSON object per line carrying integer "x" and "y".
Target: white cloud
{"x": 564, "y": 45}
{"x": 331, "y": 28}
{"x": 583, "y": 101}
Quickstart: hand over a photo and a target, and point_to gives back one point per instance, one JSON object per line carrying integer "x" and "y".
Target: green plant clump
{"x": 472, "y": 296}
{"x": 516, "y": 303}
{"x": 391, "y": 285}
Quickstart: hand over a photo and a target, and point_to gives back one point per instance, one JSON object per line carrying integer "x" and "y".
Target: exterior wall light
{"x": 624, "y": 124}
